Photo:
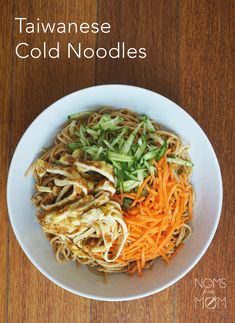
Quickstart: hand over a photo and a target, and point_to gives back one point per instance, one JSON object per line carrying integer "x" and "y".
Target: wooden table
{"x": 189, "y": 60}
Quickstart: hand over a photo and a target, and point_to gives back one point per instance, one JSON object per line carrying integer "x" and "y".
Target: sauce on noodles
{"x": 113, "y": 191}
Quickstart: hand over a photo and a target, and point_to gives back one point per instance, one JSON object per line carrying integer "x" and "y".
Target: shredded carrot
{"x": 154, "y": 220}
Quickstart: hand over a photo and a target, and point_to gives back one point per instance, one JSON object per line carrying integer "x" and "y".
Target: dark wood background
{"x": 190, "y": 50}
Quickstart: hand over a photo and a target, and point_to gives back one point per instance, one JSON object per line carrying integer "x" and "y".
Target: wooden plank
{"x": 206, "y": 90}
{"x": 5, "y": 85}
{"x": 189, "y": 55}
{"x": 156, "y": 308}
{"x": 36, "y": 84}
{"x": 148, "y": 24}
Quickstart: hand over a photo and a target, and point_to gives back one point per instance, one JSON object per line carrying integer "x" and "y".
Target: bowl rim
{"x": 138, "y": 295}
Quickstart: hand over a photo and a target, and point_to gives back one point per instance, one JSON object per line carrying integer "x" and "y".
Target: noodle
{"x": 76, "y": 181}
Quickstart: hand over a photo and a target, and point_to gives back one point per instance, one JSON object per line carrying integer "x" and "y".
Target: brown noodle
{"x": 64, "y": 246}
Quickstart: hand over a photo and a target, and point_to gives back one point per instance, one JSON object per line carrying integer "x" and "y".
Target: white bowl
{"x": 206, "y": 179}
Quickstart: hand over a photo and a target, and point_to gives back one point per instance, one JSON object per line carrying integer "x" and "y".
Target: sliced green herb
{"x": 162, "y": 150}
{"x": 127, "y": 145}
{"x": 150, "y": 155}
{"x": 106, "y": 122}
{"x": 78, "y": 115}
{"x": 73, "y": 145}
{"x": 98, "y": 153}
{"x": 108, "y": 145}
{"x": 119, "y": 157}
{"x": 141, "y": 148}
{"x": 129, "y": 185}
{"x": 119, "y": 137}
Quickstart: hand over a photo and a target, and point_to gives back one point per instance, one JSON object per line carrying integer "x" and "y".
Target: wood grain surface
{"x": 190, "y": 60}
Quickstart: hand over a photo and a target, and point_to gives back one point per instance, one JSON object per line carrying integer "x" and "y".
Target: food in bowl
{"x": 113, "y": 191}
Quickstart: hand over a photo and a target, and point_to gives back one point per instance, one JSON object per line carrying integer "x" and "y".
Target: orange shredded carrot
{"x": 152, "y": 220}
